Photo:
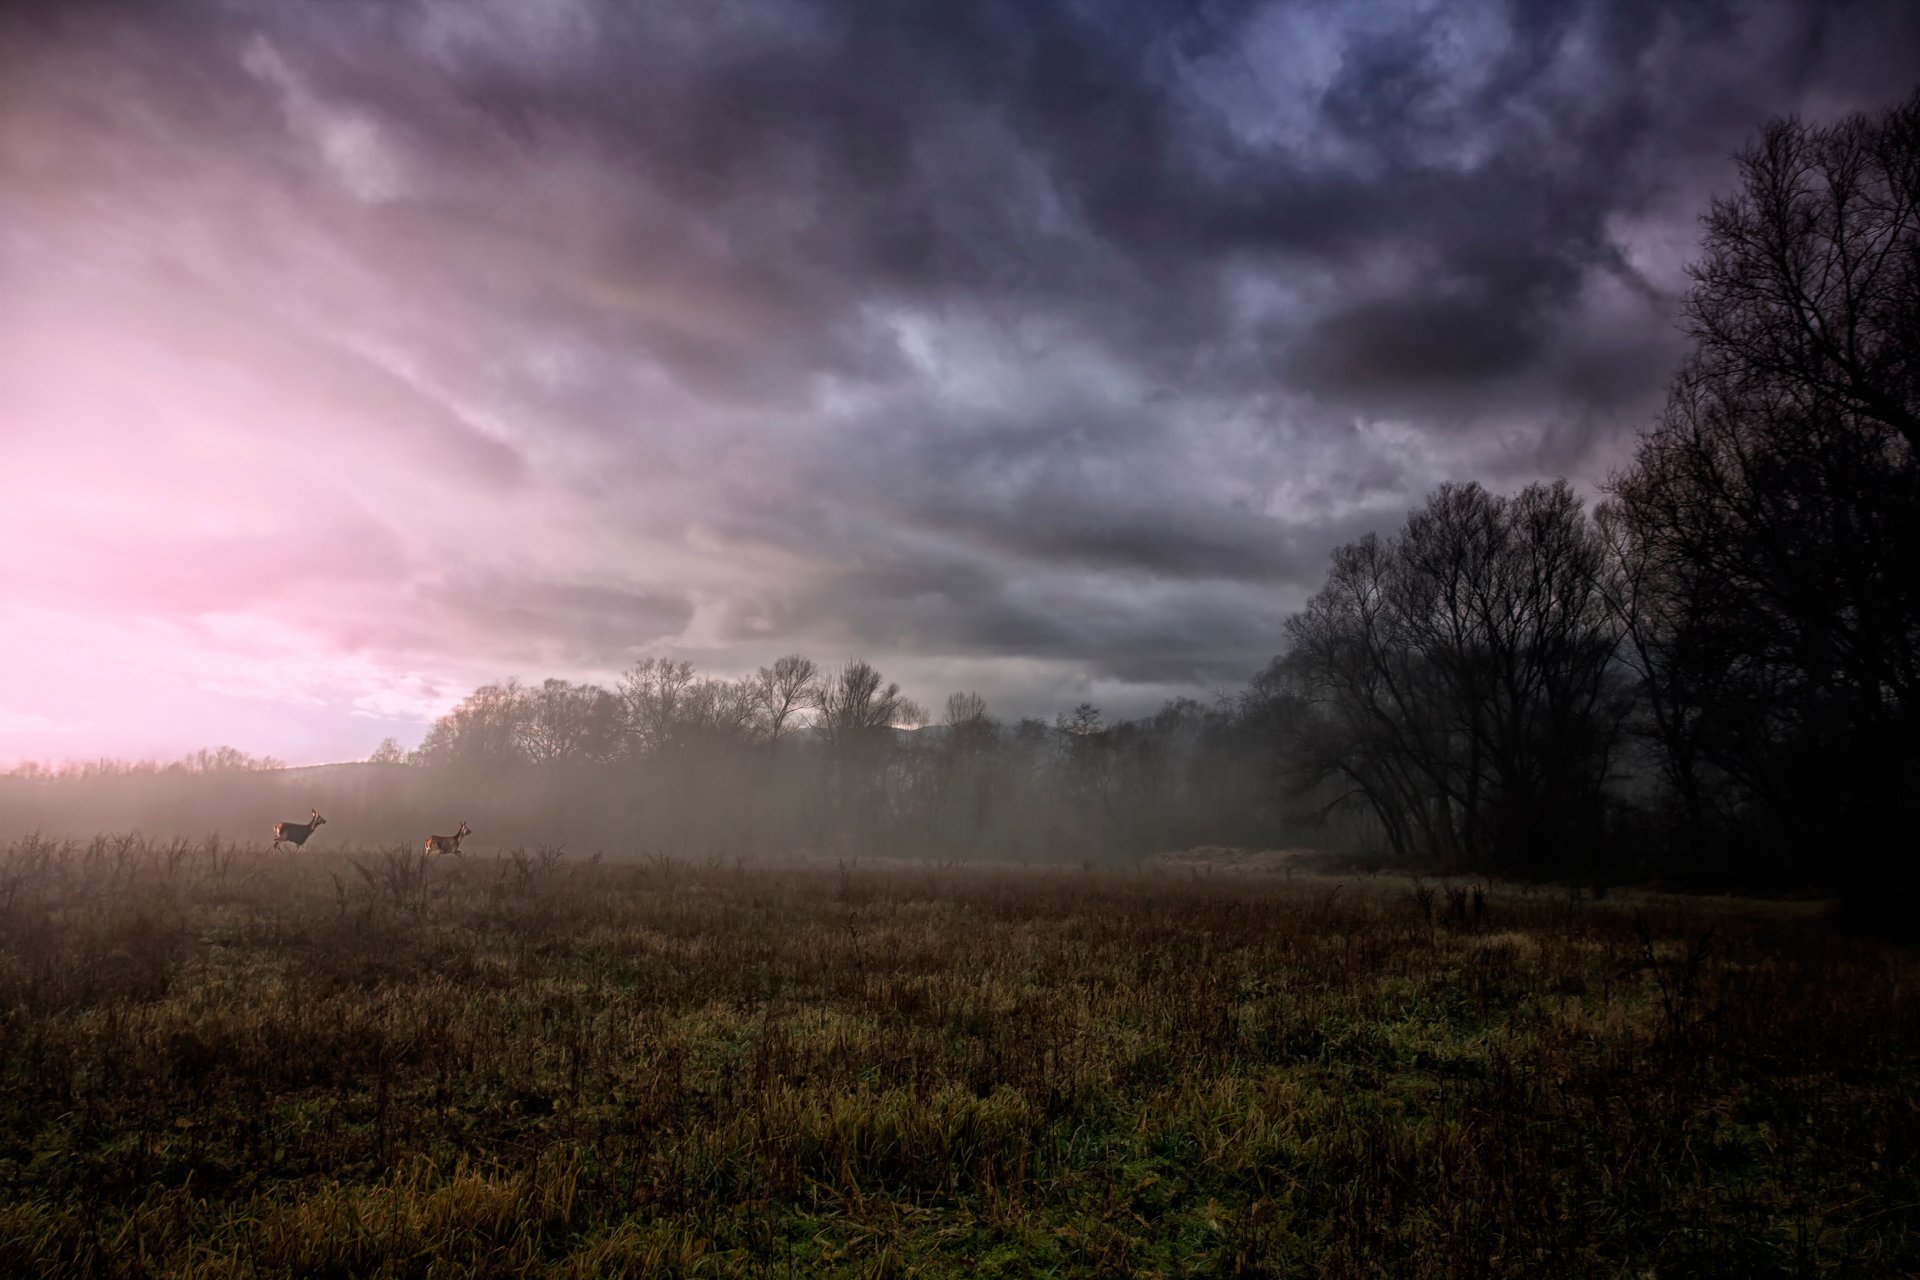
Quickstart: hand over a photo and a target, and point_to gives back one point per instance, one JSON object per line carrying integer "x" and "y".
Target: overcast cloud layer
{"x": 351, "y": 355}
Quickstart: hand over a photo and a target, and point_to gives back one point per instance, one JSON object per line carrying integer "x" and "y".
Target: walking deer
{"x": 447, "y": 844}
{"x": 296, "y": 832}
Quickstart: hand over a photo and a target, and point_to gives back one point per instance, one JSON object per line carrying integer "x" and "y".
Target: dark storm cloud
{"x": 583, "y": 625}
{"x": 1062, "y": 334}
{"x": 1129, "y": 489}
{"x": 792, "y": 164}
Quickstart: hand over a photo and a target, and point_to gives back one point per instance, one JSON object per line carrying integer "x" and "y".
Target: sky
{"x": 356, "y": 354}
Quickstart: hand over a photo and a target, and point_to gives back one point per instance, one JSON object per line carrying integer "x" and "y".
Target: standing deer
{"x": 447, "y": 844}
{"x": 297, "y": 832}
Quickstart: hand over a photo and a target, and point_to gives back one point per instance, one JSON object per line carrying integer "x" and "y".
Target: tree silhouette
{"x": 1455, "y": 680}
{"x": 1770, "y": 523}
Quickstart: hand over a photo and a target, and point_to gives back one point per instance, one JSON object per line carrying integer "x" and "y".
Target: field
{"x": 216, "y": 1061}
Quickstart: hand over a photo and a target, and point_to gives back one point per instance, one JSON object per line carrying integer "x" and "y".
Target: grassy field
{"x": 217, "y": 1061}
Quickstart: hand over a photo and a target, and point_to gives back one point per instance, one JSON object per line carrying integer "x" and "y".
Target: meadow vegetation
{"x": 219, "y": 1062}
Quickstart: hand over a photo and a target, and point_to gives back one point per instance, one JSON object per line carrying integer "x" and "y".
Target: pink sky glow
{"x": 230, "y": 514}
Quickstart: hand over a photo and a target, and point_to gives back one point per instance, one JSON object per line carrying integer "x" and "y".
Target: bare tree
{"x": 970, "y": 730}
{"x": 856, "y": 708}
{"x": 720, "y": 713}
{"x": 653, "y": 692}
{"x": 1680, "y": 667}
{"x": 1771, "y": 520}
{"x": 964, "y": 709}
{"x": 1455, "y": 679}
{"x": 225, "y": 760}
{"x": 1363, "y": 729}
{"x": 870, "y": 782}
{"x": 483, "y": 731}
{"x": 1811, "y": 280}
{"x": 790, "y": 687}
{"x": 1084, "y": 722}
{"x": 669, "y": 709}
{"x": 562, "y": 721}
{"x": 388, "y": 752}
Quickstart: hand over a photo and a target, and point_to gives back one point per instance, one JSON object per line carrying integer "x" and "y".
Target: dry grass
{"x": 219, "y": 1062}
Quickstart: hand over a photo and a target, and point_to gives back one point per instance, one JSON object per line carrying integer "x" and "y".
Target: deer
{"x": 297, "y": 832}
{"x": 447, "y": 844}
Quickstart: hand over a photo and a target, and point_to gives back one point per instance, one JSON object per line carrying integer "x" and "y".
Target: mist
{"x": 793, "y": 762}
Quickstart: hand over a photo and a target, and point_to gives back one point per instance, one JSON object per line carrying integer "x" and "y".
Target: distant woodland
{"x": 1710, "y": 676}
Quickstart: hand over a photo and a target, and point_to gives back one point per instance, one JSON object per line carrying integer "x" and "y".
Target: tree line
{"x": 797, "y": 757}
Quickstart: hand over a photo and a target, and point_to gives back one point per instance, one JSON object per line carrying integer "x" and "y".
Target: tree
{"x": 225, "y": 760}
{"x": 1362, "y": 729}
{"x": 720, "y": 714}
{"x": 1770, "y": 523}
{"x": 561, "y": 722}
{"x": 483, "y": 731}
{"x": 785, "y": 690}
{"x": 669, "y": 710}
{"x": 653, "y": 693}
{"x": 1084, "y": 723}
{"x": 388, "y": 752}
{"x": 962, "y": 775}
{"x": 869, "y": 779}
{"x": 856, "y": 709}
{"x": 970, "y": 730}
{"x": 1811, "y": 280}
{"x": 1086, "y": 768}
{"x": 1455, "y": 680}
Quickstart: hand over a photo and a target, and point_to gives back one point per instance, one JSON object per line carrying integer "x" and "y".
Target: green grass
{"x": 222, "y": 1062}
